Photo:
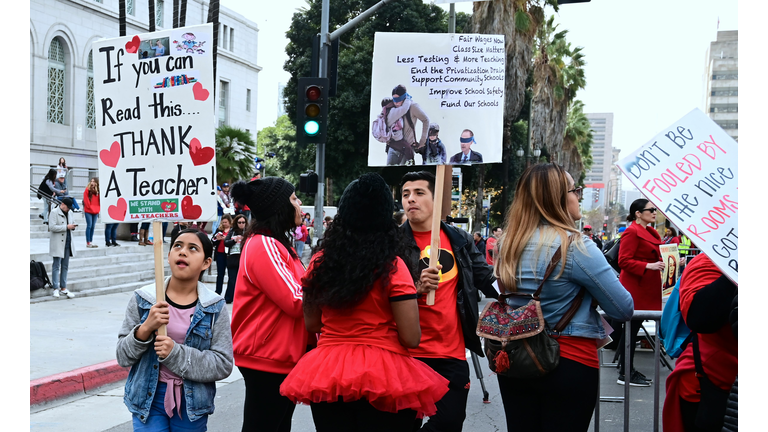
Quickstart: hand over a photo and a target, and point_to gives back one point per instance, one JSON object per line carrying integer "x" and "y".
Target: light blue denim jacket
{"x": 204, "y": 358}
{"x": 589, "y": 270}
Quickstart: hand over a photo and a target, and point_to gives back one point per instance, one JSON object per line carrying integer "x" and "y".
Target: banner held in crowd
{"x": 155, "y": 125}
{"x": 689, "y": 171}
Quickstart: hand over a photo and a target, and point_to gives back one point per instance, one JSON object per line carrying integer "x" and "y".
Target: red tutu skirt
{"x": 388, "y": 381}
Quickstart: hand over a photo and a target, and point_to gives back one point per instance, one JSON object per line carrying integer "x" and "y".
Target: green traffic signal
{"x": 311, "y": 127}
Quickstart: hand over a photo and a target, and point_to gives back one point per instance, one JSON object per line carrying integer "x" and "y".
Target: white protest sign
{"x": 155, "y": 125}
{"x": 454, "y": 81}
{"x": 689, "y": 171}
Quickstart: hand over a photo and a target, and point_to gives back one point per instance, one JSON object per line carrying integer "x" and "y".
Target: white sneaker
{"x": 56, "y": 293}
{"x": 67, "y": 293}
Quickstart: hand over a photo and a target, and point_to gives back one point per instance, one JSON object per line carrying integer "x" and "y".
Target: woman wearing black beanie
{"x": 268, "y": 333}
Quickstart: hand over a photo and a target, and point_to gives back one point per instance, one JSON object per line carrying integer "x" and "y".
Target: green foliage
{"x": 579, "y": 131}
{"x": 235, "y": 151}
{"x": 289, "y": 161}
{"x": 522, "y": 21}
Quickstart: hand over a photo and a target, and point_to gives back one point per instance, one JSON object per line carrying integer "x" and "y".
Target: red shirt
{"x": 441, "y": 335}
{"x": 371, "y": 322}
{"x": 580, "y": 349}
{"x": 490, "y": 244}
{"x": 91, "y": 203}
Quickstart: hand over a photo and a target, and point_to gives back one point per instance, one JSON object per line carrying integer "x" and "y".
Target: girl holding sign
{"x": 360, "y": 294}
{"x": 172, "y": 382}
{"x": 267, "y": 318}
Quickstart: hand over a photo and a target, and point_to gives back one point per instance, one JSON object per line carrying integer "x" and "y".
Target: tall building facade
{"x": 721, "y": 97}
{"x": 597, "y": 179}
{"x": 62, "y": 105}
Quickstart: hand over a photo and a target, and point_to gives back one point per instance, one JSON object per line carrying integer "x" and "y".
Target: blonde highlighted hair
{"x": 541, "y": 202}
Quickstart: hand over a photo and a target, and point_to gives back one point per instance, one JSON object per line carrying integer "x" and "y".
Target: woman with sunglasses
{"x": 641, "y": 266}
{"x": 234, "y": 241}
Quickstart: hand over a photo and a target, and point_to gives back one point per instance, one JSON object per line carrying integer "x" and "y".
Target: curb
{"x": 77, "y": 381}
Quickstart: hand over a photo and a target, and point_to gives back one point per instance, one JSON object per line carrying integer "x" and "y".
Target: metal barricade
{"x": 638, "y": 315}
{"x": 77, "y": 178}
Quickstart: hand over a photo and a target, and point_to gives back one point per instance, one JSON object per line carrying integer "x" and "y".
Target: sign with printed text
{"x": 671, "y": 259}
{"x": 155, "y": 125}
{"x": 436, "y": 99}
{"x": 689, "y": 171}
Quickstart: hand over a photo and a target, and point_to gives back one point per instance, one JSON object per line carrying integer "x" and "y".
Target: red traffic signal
{"x": 313, "y": 92}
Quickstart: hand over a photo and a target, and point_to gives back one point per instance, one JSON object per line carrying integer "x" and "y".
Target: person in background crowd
{"x": 543, "y": 215}
{"x": 609, "y": 244}
{"x": 490, "y": 244}
{"x": 480, "y": 243}
{"x": 110, "y": 234}
{"x": 220, "y": 251}
{"x": 706, "y": 303}
{"x": 268, "y": 329}
{"x": 362, "y": 298}
{"x": 302, "y": 238}
{"x": 670, "y": 236}
{"x": 171, "y": 385}
{"x": 61, "y": 247}
{"x": 400, "y": 218}
{"x": 92, "y": 209}
{"x": 234, "y": 243}
{"x": 180, "y": 226}
{"x": 641, "y": 266}
{"x": 62, "y": 165}
{"x": 134, "y": 232}
{"x": 60, "y": 185}
{"x": 48, "y": 182}
{"x": 448, "y": 328}
{"x": 144, "y": 235}
{"x": 587, "y": 231}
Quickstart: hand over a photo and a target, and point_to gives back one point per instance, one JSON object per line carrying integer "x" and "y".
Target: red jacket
{"x": 639, "y": 247}
{"x": 268, "y": 332}
{"x": 91, "y": 205}
{"x": 719, "y": 351}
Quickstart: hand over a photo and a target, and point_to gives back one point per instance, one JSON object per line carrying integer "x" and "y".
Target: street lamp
{"x": 520, "y": 152}
{"x": 536, "y": 152}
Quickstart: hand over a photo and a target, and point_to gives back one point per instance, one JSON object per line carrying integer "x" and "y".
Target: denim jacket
{"x": 204, "y": 358}
{"x": 589, "y": 270}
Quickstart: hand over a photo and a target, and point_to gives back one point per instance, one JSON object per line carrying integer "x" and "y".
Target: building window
{"x": 56, "y": 66}
{"x": 598, "y": 137}
{"x": 90, "y": 110}
{"x": 725, "y": 91}
{"x": 223, "y": 94}
{"x": 130, "y": 9}
{"x": 598, "y": 129}
{"x": 223, "y": 37}
{"x": 248, "y": 100}
{"x": 724, "y": 108}
{"x": 231, "y": 39}
{"x": 596, "y": 121}
{"x": 723, "y": 75}
{"x": 728, "y": 124}
{"x": 159, "y": 6}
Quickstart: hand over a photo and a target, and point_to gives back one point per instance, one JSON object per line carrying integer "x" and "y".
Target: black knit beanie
{"x": 263, "y": 196}
{"x": 367, "y": 204}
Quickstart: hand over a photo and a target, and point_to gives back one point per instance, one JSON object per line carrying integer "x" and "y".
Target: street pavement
{"x": 72, "y": 334}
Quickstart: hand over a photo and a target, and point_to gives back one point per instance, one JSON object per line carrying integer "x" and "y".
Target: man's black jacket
{"x": 474, "y": 274}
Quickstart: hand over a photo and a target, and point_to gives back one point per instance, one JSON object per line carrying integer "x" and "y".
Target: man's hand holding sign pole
{"x": 689, "y": 171}
{"x": 155, "y": 124}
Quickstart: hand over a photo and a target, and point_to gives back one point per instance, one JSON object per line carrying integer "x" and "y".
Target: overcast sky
{"x": 645, "y": 59}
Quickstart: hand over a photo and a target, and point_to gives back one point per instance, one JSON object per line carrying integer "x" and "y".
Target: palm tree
{"x": 578, "y": 142}
{"x": 235, "y": 150}
{"x": 518, "y": 21}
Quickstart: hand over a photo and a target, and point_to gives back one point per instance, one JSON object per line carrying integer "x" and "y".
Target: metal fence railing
{"x": 77, "y": 178}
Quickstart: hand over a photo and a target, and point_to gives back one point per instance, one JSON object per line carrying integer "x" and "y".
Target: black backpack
{"x": 611, "y": 254}
{"x": 38, "y": 277}
{"x": 44, "y": 189}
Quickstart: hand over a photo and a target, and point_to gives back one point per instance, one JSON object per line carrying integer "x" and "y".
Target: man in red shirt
{"x": 490, "y": 244}
{"x": 447, "y": 327}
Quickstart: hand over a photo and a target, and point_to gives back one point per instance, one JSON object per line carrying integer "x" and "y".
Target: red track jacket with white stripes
{"x": 268, "y": 332}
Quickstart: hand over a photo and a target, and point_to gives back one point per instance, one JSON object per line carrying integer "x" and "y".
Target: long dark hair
{"x": 637, "y": 206}
{"x": 51, "y": 175}
{"x": 204, "y": 240}
{"x": 352, "y": 259}
{"x": 234, "y": 228}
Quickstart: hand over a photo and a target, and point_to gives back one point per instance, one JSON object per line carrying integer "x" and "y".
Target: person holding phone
{"x": 61, "y": 247}
{"x": 233, "y": 241}
{"x": 220, "y": 251}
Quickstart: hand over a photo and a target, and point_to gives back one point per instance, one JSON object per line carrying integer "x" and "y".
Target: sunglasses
{"x": 652, "y": 210}
{"x": 578, "y": 191}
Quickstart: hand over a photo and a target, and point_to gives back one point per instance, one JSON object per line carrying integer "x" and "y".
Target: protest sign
{"x": 689, "y": 171}
{"x": 155, "y": 125}
{"x": 671, "y": 259}
{"x": 452, "y": 81}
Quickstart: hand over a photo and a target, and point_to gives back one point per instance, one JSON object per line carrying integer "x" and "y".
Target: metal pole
{"x": 656, "y": 385}
{"x": 452, "y": 19}
{"x": 627, "y": 372}
{"x": 320, "y": 152}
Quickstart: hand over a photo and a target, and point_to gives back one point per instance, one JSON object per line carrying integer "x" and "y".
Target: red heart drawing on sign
{"x": 118, "y": 212}
{"x": 168, "y": 206}
{"x": 112, "y": 156}
{"x": 189, "y": 210}
{"x": 200, "y": 93}
{"x": 133, "y": 45}
{"x": 200, "y": 155}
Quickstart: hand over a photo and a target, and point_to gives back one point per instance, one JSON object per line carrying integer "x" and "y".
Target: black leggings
{"x": 452, "y": 408}
{"x": 633, "y": 328}
{"x": 360, "y": 416}
{"x": 265, "y": 409}
{"x": 688, "y": 412}
{"x": 563, "y": 400}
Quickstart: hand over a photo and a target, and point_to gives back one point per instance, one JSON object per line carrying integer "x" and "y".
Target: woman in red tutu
{"x": 359, "y": 294}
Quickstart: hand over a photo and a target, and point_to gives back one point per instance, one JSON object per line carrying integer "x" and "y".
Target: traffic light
{"x": 312, "y": 110}
{"x": 308, "y": 183}
{"x": 596, "y": 194}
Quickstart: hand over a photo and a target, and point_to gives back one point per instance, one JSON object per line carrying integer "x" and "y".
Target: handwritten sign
{"x": 689, "y": 171}
{"x": 436, "y": 99}
{"x": 155, "y": 123}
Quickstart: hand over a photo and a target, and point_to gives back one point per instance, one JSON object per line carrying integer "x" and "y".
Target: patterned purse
{"x": 515, "y": 341}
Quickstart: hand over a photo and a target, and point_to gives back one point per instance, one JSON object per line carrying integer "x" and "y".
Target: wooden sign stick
{"x": 157, "y": 227}
{"x": 437, "y": 211}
